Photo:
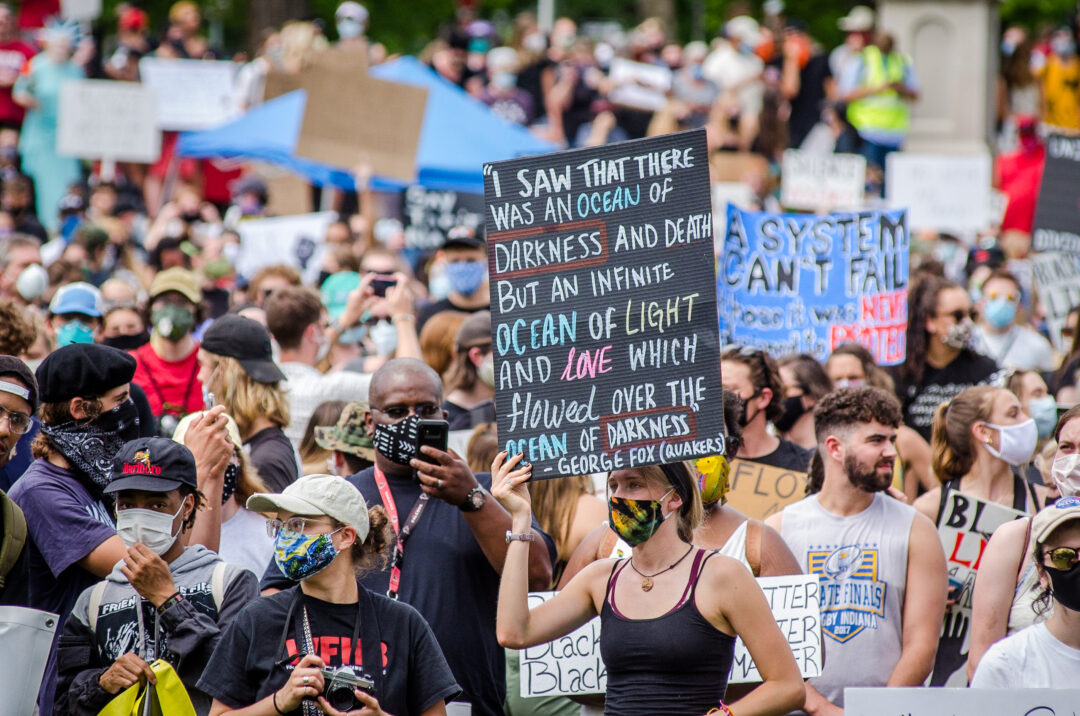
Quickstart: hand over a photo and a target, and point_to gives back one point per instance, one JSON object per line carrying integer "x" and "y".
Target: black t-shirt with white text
{"x": 939, "y": 385}
{"x": 247, "y": 665}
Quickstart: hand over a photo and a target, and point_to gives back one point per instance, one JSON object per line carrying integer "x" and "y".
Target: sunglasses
{"x": 1064, "y": 558}
{"x": 959, "y": 314}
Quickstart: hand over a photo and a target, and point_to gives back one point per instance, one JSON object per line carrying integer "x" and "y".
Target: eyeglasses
{"x": 18, "y": 423}
{"x": 293, "y": 524}
{"x": 423, "y": 410}
{"x": 959, "y": 314}
{"x": 1064, "y": 558}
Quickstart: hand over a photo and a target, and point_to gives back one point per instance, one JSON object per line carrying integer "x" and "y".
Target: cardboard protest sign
{"x": 298, "y": 241}
{"x": 639, "y": 85}
{"x": 941, "y": 192}
{"x": 797, "y": 283}
{"x": 572, "y": 664}
{"x": 822, "y": 182}
{"x": 1057, "y": 213}
{"x": 348, "y": 115}
{"x": 737, "y": 166}
{"x": 101, "y": 119}
{"x": 965, "y": 527}
{"x": 603, "y": 306}
{"x": 952, "y": 702}
{"x": 758, "y": 490}
{"x": 1057, "y": 280}
{"x": 191, "y": 94}
{"x": 428, "y": 215}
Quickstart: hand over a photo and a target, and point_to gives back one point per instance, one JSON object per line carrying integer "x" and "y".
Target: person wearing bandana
{"x": 86, "y": 415}
{"x": 452, "y": 552}
{"x": 162, "y": 600}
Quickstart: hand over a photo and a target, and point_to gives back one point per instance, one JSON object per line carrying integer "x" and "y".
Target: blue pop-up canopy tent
{"x": 458, "y": 135}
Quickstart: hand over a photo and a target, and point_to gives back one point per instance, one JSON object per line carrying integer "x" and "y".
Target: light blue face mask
{"x": 74, "y": 332}
{"x": 1000, "y": 312}
{"x": 466, "y": 276}
{"x": 1045, "y": 414}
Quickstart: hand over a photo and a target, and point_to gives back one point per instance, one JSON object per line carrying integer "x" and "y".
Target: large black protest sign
{"x": 428, "y": 215}
{"x": 604, "y": 307}
{"x": 1057, "y": 214}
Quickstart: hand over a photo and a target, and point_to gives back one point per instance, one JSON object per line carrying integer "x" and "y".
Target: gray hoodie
{"x": 185, "y": 634}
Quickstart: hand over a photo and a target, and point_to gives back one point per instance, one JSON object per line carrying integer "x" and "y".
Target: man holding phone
{"x": 452, "y": 534}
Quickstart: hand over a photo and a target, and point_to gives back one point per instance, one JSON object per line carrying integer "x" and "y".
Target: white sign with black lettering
{"x": 822, "y": 182}
{"x": 951, "y": 702}
{"x": 192, "y": 94}
{"x": 941, "y": 192}
{"x": 298, "y": 240}
{"x": 1057, "y": 280}
{"x": 100, "y": 119}
{"x": 639, "y": 85}
{"x": 572, "y": 665}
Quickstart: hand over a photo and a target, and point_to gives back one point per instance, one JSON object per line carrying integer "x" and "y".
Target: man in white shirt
{"x": 1000, "y": 337}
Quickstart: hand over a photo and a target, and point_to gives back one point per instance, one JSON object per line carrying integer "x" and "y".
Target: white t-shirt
{"x": 1032, "y": 658}
{"x": 244, "y": 541}
{"x": 1019, "y": 348}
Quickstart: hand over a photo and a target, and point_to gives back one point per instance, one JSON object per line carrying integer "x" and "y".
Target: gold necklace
{"x": 647, "y": 583}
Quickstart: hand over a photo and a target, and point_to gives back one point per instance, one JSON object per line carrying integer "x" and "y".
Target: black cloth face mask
{"x": 397, "y": 441}
{"x": 1065, "y": 586}
{"x": 793, "y": 410}
{"x": 90, "y": 447}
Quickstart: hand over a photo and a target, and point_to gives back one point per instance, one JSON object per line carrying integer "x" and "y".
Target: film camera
{"x": 339, "y": 685}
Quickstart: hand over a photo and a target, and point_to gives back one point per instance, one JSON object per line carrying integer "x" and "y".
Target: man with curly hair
{"x": 17, "y": 330}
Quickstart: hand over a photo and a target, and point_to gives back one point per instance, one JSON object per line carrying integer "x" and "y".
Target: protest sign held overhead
{"x": 941, "y": 192}
{"x": 108, "y": 120}
{"x": 297, "y": 241}
{"x": 603, "y": 305}
{"x": 795, "y": 283}
{"x": 429, "y": 214}
{"x": 1057, "y": 213}
{"x": 191, "y": 94}
{"x": 822, "y": 182}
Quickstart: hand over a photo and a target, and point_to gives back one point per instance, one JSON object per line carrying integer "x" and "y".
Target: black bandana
{"x": 397, "y": 441}
{"x": 90, "y": 447}
{"x": 232, "y": 475}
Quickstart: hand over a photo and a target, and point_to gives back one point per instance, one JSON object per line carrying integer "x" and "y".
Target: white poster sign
{"x": 80, "y": 10}
{"x": 192, "y": 94}
{"x": 941, "y": 192}
{"x": 816, "y": 182}
{"x": 100, "y": 119}
{"x": 1057, "y": 279}
{"x": 953, "y": 702}
{"x": 572, "y": 665}
{"x": 298, "y": 241}
{"x": 639, "y": 85}
{"x": 27, "y": 636}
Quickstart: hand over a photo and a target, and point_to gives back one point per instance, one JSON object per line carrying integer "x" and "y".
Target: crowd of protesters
{"x": 216, "y": 475}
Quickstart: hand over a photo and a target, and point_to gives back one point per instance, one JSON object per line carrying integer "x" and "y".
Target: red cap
{"x": 134, "y": 19}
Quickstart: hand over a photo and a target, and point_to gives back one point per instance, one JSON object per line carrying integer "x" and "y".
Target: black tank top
{"x": 1019, "y": 498}
{"x": 677, "y": 663}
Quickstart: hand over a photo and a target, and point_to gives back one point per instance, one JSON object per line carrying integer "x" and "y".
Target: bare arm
{"x": 584, "y": 555}
{"x": 928, "y": 504}
{"x": 924, "y": 605}
{"x": 995, "y": 583}
{"x": 776, "y": 557}
{"x": 104, "y": 557}
{"x": 916, "y": 454}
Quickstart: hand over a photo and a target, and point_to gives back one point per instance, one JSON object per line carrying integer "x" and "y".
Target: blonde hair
{"x": 952, "y": 445}
{"x": 555, "y": 504}
{"x": 245, "y": 398}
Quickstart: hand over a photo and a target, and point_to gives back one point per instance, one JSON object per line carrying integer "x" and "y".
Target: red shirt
{"x": 13, "y": 55}
{"x": 1020, "y": 174}
{"x": 171, "y": 382}
{"x": 34, "y": 13}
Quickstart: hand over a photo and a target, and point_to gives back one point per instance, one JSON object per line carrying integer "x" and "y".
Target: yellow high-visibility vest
{"x": 883, "y": 110}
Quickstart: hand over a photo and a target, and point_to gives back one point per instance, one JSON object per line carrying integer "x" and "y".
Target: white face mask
{"x": 323, "y": 349}
{"x": 1017, "y": 441}
{"x": 384, "y": 336}
{"x": 153, "y": 529}
{"x": 1066, "y": 474}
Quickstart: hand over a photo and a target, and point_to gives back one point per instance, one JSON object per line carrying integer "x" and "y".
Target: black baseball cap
{"x": 154, "y": 465}
{"x": 462, "y": 237}
{"x": 248, "y": 342}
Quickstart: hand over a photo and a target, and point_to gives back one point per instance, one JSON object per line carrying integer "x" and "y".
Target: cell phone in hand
{"x": 435, "y": 433}
{"x": 382, "y": 284}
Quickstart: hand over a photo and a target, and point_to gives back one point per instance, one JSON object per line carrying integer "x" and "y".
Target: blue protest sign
{"x": 801, "y": 283}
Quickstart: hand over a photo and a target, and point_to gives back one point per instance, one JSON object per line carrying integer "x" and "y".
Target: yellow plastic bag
{"x": 168, "y": 697}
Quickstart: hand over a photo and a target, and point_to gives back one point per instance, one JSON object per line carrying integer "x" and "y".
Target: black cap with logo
{"x": 153, "y": 465}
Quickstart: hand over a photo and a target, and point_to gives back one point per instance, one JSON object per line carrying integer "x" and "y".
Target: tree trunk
{"x": 263, "y": 14}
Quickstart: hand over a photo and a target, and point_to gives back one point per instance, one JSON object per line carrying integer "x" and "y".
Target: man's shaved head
{"x": 400, "y": 373}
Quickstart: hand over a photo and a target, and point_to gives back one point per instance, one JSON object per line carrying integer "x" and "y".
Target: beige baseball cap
{"x": 318, "y": 495}
{"x": 1066, "y": 509}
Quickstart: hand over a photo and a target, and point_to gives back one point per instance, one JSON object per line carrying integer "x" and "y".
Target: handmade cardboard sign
{"x": 604, "y": 307}
{"x": 298, "y": 241}
{"x": 758, "y": 490}
{"x": 797, "y": 283}
{"x": 1056, "y": 276}
{"x": 101, "y": 119}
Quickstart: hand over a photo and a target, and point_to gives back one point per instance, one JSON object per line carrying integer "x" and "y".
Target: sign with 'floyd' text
{"x": 822, "y": 182}
{"x": 1057, "y": 213}
{"x": 572, "y": 664}
{"x": 796, "y": 283}
{"x": 604, "y": 306}
{"x": 965, "y": 527}
{"x": 298, "y": 241}
{"x": 953, "y": 702}
{"x": 108, "y": 120}
{"x": 758, "y": 490}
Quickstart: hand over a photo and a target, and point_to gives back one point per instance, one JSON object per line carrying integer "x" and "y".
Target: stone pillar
{"x": 954, "y": 46}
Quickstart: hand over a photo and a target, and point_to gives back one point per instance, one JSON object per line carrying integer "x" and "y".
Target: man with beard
{"x": 86, "y": 416}
{"x": 881, "y": 565}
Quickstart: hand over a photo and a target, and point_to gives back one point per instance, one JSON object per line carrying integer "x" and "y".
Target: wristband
{"x": 176, "y": 598}
{"x": 403, "y": 317}
{"x": 519, "y": 537}
{"x": 273, "y": 697}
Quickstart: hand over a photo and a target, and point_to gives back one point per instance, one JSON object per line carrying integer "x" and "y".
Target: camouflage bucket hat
{"x": 349, "y": 434}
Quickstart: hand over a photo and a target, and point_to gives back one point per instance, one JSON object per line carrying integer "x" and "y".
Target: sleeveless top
{"x": 862, "y": 562}
{"x": 677, "y": 663}
{"x": 1019, "y": 499}
{"x": 1021, "y": 613}
{"x": 735, "y": 547}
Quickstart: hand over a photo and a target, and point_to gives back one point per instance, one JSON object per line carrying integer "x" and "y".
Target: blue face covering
{"x": 466, "y": 276}
{"x": 1000, "y": 312}
{"x": 74, "y": 332}
{"x": 1045, "y": 413}
{"x": 300, "y": 556}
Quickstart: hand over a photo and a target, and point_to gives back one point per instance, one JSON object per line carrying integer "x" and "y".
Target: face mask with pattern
{"x": 300, "y": 556}
{"x": 636, "y": 520}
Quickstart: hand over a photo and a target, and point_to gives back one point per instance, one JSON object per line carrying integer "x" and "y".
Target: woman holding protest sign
{"x": 646, "y": 600}
{"x": 1007, "y": 585}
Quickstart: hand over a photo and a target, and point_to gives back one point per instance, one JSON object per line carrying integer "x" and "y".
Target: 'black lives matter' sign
{"x": 603, "y": 300}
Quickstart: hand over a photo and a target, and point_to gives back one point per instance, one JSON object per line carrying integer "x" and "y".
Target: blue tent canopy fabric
{"x": 458, "y": 135}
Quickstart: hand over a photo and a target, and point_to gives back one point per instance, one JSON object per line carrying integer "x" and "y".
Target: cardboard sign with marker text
{"x": 298, "y": 241}
{"x": 759, "y": 490}
{"x": 603, "y": 305}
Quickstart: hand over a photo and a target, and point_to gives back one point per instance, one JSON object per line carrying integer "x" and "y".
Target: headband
{"x": 15, "y": 389}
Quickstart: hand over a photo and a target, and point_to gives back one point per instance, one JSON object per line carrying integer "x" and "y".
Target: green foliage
{"x": 1035, "y": 14}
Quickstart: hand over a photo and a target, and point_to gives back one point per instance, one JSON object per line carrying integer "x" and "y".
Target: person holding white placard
{"x": 667, "y": 644}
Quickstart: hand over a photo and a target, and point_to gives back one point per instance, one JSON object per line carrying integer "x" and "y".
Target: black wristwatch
{"x": 474, "y": 500}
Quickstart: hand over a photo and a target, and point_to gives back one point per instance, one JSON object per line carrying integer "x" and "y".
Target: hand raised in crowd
{"x": 360, "y": 301}
{"x": 444, "y": 475}
{"x": 149, "y": 574}
{"x": 125, "y": 672}
{"x": 209, "y": 442}
{"x": 371, "y": 706}
{"x": 399, "y": 298}
{"x": 508, "y": 483}
{"x": 305, "y": 682}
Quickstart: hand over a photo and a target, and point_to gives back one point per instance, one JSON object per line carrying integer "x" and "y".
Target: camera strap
{"x": 402, "y": 532}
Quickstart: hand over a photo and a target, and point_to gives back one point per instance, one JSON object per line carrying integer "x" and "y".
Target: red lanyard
{"x": 402, "y": 533}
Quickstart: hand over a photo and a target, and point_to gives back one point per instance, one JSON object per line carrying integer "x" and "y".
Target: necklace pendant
{"x": 646, "y": 584}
